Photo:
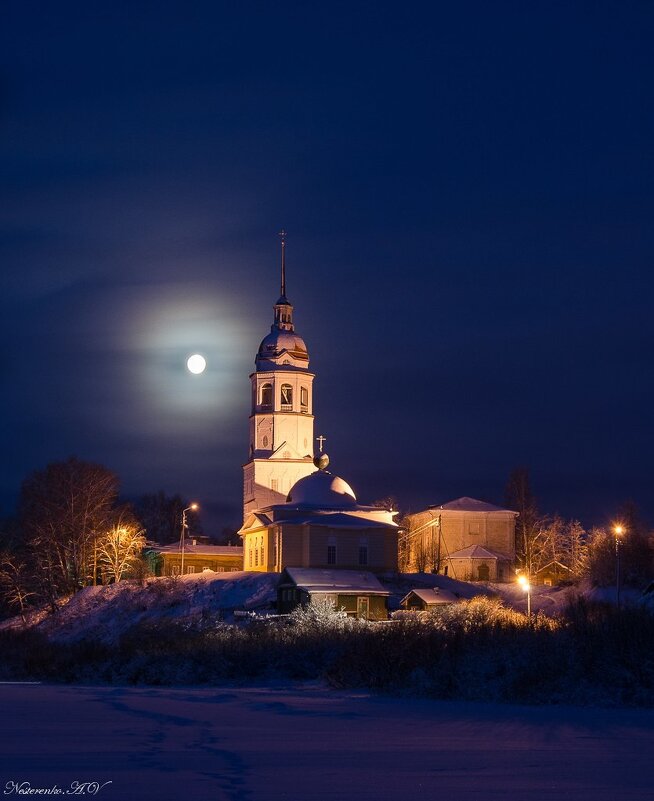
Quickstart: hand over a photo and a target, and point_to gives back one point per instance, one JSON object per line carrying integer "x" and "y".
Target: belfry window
{"x": 287, "y": 397}
{"x": 304, "y": 399}
{"x": 266, "y": 395}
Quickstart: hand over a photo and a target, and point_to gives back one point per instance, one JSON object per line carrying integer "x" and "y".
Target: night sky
{"x": 467, "y": 189}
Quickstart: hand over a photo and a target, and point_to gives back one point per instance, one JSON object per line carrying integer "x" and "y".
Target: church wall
{"x": 381, "y": 543}
{"x": 501, "y": 535}
{"x": 458, "y": 530}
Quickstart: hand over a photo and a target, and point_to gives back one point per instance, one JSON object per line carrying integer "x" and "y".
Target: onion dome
{"x": 323, "y": 490}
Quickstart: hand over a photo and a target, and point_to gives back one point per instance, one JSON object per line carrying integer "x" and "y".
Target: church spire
{"x": 282, "y": 235}
{"x": 283, "y": 309}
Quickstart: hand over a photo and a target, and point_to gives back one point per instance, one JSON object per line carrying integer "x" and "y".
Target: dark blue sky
{"x": 468, "y": 193}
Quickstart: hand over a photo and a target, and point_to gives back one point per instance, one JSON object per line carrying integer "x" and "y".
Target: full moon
{"x": 196, "y": 364}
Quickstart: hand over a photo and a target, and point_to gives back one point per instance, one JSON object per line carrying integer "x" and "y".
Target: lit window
{"x": 266, "y": 395}
{"x": 190, "y": 568}
{"x": 331, "y": 554}
{"x": 274, "y": 484}
{"x": 287, "y": 397}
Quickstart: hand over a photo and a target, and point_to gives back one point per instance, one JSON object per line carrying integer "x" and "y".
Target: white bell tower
{"x": 281, "y": 419}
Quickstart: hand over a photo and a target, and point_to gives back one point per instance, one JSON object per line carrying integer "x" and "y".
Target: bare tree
{"x": 120, "y": 547}
{"x": 63, "y": 511}
{"x": 15, "y": 583}
{"x": 529, "y": 527}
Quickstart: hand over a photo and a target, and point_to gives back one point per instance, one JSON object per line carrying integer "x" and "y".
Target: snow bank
{"x": 105, "y": 613}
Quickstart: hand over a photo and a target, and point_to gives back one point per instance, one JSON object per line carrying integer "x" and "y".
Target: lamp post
{"x": 618, "y": 531}
{"x": 190, "y": 508}
{"x": 523, "y": 581}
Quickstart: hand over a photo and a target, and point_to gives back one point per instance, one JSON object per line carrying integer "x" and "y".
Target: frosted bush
{"x": 319, "y": 613}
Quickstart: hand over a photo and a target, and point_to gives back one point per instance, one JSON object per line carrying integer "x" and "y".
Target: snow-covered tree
{"x": 119, "y": 549}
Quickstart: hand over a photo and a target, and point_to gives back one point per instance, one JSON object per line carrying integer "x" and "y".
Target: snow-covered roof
{"x": 201, "y": 549}
{"x": 433, "y": 596}
{"x": 323, "y": 490}
{"x": 334, "y": 581}
{"x": 467, "y": 504}
{"x": 477, "y": 552}
{"x": 336, "y": 520}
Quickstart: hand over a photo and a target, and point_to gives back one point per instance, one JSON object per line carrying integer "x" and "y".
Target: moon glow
{"x": 196, "y": 364}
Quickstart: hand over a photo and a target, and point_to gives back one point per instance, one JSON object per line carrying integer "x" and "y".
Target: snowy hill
{"x": 104, "y": 613}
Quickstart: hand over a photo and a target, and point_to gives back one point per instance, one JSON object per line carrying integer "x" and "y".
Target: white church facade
{"x": 295, "y": 512}
{"x": 281, "y": 418}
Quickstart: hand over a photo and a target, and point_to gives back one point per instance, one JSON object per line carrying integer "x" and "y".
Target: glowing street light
{"x": 523, "y": 581}
{"x": 192, "y": 508}
{"x": 618, "y": 532}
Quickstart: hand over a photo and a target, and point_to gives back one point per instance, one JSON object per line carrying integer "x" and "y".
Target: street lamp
{"x": 190, "y": 508}
{"x": 523, "y": 581}
{"x": 618, "y": 531}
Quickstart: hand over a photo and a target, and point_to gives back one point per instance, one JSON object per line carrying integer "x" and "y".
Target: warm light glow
{"x": 194, "y": 506}
{"x": 523, "y": 582}
{"x": 618, "y": 530}
{"x": 196, "y": 364}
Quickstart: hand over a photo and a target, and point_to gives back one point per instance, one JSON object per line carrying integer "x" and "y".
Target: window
{"x": 363, "y": 554}
{"x": 256, "y": 557}
{"x": 175, "y": 570}
{"x": 220, "y": 570}
{"x": 331, "y": 554}
{"x": 265, "y": 442}
{"x": 250, "y": 557}
{"x": 266, "y": 395}
{"x": 304, "y": 398}
{"x": 274, "y": 484}
{"x": 190, "y": 568}
{"x": 287, "y": 397}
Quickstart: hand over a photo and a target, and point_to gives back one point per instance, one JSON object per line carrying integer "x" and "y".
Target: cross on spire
{"x": 282, "y": 235}
{"x": 321, "y": 440}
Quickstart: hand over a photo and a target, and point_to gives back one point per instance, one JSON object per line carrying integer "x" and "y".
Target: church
{"x": 295, "y": 512}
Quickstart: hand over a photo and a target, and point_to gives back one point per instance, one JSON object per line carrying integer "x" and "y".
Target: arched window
{"x": 266, "y": 395}
{"x": 265, "y": 442}
{"x": 287, "y": 397}
{"x": 304, "y": 399}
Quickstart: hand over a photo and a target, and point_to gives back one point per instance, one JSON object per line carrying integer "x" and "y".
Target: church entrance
{"x": 483, "y": 573}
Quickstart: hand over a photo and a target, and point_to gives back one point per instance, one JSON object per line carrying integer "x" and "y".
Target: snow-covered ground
{"x": 106, "y": 612}
{"x": 312, "y": 744}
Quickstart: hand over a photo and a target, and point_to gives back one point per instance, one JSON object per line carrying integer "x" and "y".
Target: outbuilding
{"x": 422, "y": 600}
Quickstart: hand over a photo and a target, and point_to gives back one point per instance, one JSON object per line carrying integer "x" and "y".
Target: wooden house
{"x": 198, "y": 557}
{"x": 551, "y": 574}
{"x": 359, "y": 593}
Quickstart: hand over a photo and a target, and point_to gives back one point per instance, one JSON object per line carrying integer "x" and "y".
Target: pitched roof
{"x": 337, "y": 520}
{"x": 477, "y": 552}
{"x": 334, "y": 581}
{"x": 202, "y": 550}
{"x": 433, "y": 596}
{"x": 467, "y": 504}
